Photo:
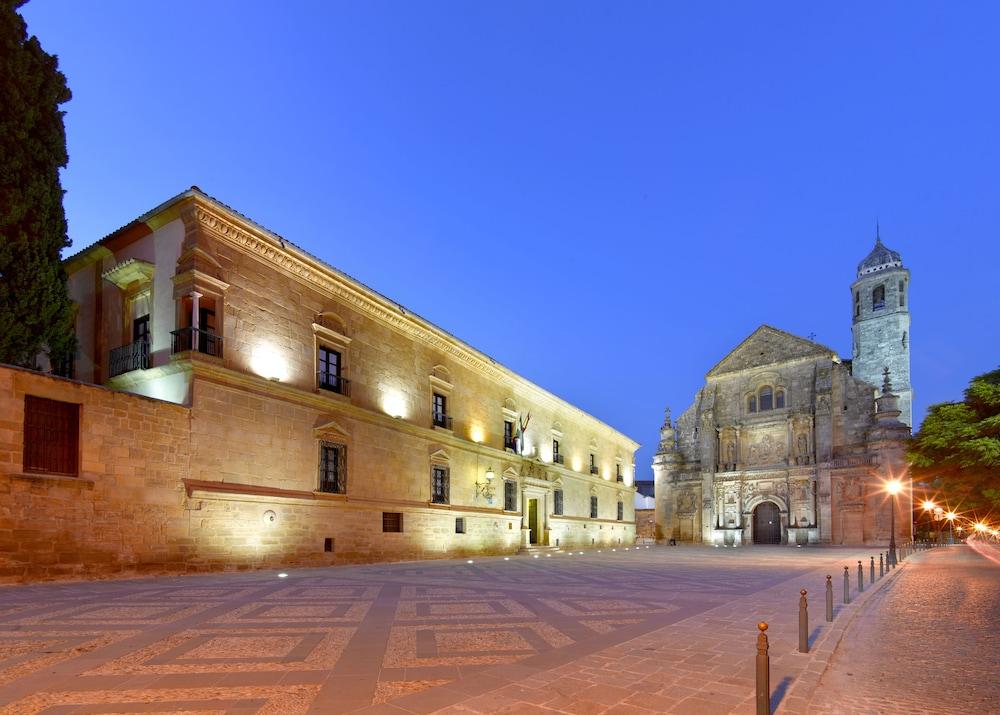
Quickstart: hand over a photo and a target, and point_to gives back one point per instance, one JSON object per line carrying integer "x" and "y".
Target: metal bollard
{"x": 763, "y": 672}
{"x": 829, "y": 599}
{"x": 871, "y": 574}
{"x": 892, "y": 560}
{"x": 880, "y": 572}
{"x": 847, "y": 586}
{"x": 803, "y": 622}
{"x": 861, "y": 578}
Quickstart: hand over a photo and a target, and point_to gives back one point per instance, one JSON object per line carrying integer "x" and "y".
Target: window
{"x": 618, "y": 473}
{"x": 439, "y": 485}
{"x": 857, "y": 303}
{"x": 752, "y": 403}
{"x": 765, "y": 399}
{"x": 556, "y": 457}
{"x": 593, "y": 465}
{"x": 460, "y": 525}
{"x": 508, "y": 435}
{"x": 439, "y": 408}
{"x": 621, "y": 510}
{"x": 902, "y": 294}
{"x": 904, "y": 340}
{"x": 593, "y": 507}
{"x": 51, "y": 436}
{"x": 779, "y": 399}
{"x": 557, "y": 502}
{"x": 392, "y": 522}
{"x": 332, "y": 468}
{"x": 509, "y": 495}
{"x": 878, "y": 298}
{"x": 329, "y": 373}
{"x": 140, "y": 329}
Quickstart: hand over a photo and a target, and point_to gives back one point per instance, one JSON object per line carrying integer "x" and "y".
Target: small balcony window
{"x": 508, "y": 436}
{"x": 557, "y": 458}
{"x": 439, "y": 411}
{"x": 329, "y": 377}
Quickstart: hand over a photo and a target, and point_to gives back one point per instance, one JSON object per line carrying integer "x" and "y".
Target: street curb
{"x": 821, "y": 653}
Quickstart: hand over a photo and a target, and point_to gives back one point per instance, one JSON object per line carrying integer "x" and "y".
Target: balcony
{"x": 620, "y": 479}
{"x": 201, "y": 341}
{"x": 442, "y": 420}
{"x": 558, "y": 459}
{"x": 334, "y": 383}
{"x": 134, "y": 356}
{"x": 594, "y": 469}
{"x": 510, "y": 444}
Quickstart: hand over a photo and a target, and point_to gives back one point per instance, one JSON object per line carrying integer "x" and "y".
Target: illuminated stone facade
{"x": 317, "y": 410}
{"x": 786, "y": 444}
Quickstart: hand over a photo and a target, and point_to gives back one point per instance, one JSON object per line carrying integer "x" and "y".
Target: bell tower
{"x": 880, "y": 305}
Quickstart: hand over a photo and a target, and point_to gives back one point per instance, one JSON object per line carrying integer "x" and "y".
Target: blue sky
{"x": 605, "y": 197}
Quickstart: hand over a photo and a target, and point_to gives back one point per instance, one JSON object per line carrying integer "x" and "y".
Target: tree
{"x": 958, "y": 447}
{"x": 36, "y": 314}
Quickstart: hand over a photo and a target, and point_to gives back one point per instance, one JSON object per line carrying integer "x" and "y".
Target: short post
{"x": 871, "y": 574}
{"x": 829, "y": 599}
{"x": 847, "y": 586}
{"x": 889, "y": 556}
{"x": 881, "y": 573}
{"x": 763, "y": 672}
{"x": 803, "y": 622}
{"x": 861, "y": 578}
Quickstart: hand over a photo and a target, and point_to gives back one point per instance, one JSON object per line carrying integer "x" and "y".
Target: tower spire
{"x": 878, "y": 233}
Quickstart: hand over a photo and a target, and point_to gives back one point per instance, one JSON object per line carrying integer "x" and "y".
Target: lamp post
{"x": 893, "y": 486}
{"x": 928, "y": 507}
{"x": 950, "y": 516}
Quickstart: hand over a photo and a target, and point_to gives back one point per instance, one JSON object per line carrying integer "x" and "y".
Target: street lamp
{"x": 928, "y": 507}
{"x": 950, "y": 516}
{"x": 894, "y": 487}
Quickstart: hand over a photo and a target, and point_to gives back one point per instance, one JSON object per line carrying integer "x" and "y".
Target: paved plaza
{"x": 656, "y": 629}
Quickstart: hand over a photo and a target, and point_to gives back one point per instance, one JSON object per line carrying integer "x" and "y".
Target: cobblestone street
{"x": 927, "y": 643}
{"x": 644, "y": 631}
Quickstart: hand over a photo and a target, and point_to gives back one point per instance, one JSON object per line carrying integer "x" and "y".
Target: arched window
{"x": 902, "y": 294}
{"x": 878, "y": 298}
{"x": 779, "y": 399}
{"x": 752, "y": 403}
{"x": 765, "y": 398}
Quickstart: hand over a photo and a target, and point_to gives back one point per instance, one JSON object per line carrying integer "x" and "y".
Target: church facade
{"x": 787, "y": 443}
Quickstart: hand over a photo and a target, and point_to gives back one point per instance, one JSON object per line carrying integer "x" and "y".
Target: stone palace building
{"x": 239, "y": 403}
{"x": 787, "y": 442}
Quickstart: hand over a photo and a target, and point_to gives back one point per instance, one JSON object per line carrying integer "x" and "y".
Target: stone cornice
{"x": 300, "y": 265}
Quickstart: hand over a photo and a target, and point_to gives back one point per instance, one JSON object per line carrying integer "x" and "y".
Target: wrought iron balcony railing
{"x": 594, "y": 469}
{"x": 334, "y": 383}
{"x": 441, "y": 420}
{"x": 558, "y": 459}
{"x": 134, "y": 356}
{"x": 196, "y": 339}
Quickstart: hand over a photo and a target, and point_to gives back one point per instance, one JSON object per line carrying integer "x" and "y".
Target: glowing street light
{"x": 950, "y": 516}
{"x": 894, "y": 487}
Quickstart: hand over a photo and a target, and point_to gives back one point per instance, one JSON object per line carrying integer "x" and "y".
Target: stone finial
{"x": 666, "y": 417}
{"x": 886, "y": 385}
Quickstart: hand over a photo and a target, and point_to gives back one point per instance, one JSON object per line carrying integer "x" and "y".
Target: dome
{"x": 879, "y": 259}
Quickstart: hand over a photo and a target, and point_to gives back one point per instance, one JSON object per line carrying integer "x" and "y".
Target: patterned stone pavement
{"x": 654, "y": 629}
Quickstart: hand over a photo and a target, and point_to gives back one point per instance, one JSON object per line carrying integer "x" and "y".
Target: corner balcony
{"x": 133, "y": 356}
{"x": 193, "y": 339}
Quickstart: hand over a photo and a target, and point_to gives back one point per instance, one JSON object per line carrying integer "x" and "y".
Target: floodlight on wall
{"x": 486, "y": 488}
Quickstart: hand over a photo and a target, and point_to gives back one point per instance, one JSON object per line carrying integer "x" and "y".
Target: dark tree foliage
{"x": 958, "y": 447}
{"x": 36, "y": 314}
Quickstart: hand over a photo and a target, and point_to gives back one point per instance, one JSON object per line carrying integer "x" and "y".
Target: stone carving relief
{"x": 803, "y": 504}
{"x": 687, "y": 502}
{"x": 852, "y": 491}
{"x": 823, "y": 404}
{"x": 768, "y": 449}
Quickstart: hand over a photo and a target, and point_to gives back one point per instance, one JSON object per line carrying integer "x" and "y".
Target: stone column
{"x": 195, "y": 296}
{"x": 525, "y": 527}
{"x": 824, "y": 503}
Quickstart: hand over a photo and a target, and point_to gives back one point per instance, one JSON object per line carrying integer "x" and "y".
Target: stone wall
{"x": 123, "y": 513}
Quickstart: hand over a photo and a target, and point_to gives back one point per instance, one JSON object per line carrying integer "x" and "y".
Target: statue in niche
{"x": 802, "y": 449}
{"x": 731, "y": 453}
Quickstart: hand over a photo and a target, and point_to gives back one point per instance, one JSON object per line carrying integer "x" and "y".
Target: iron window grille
{"x": 621, "y": 511}
{"x": 51, "y": 436}
{"x": 460, "y": 525}
{"x": 509, "y": 496}
{"x": 618, "y": 473}
{"x": 593, "y": 507}
{"x": 557, "y": 502}
{"x": 556, "y": 457}
{"x": 333, "y": 468}
{"x": 392, "y": 522}
{"x": 440, "y": 486}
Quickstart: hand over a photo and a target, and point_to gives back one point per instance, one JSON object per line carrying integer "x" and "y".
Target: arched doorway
{"x": 766, "y": 524}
